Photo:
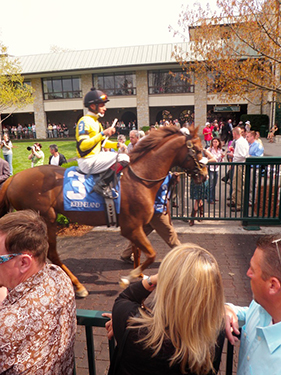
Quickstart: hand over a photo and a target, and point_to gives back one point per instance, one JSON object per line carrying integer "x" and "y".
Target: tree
{"x": 14, "y": 92}
{"x": 237, "y": 46}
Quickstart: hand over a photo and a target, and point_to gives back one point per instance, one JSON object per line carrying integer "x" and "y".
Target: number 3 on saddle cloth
{"x": 78, "y": 194}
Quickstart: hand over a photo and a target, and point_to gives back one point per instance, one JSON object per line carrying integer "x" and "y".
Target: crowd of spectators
{"x": 57, "y": 130}
{"x": 26, "y": 131}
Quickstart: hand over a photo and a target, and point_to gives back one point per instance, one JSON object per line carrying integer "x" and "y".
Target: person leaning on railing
{"x": 181, "y": 333}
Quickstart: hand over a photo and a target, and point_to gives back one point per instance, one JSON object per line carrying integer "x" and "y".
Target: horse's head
{"x": 192, "y": 156}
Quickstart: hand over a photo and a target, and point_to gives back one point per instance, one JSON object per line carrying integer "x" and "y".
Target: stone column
{"x": 40, "y": 119}
{"x": 142, "y": 99}
{"x": 86, "y": 85}
{"x": 200, "y": 102}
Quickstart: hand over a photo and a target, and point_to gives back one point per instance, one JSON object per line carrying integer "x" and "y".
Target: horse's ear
{"x": 194, "y": 131}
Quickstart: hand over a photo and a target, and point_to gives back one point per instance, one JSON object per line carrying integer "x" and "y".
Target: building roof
{"x": 100, "y": 58}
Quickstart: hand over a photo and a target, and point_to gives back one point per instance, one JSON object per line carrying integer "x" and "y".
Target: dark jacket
{"x": 4, "y": 171}
{"x": 62, "y": 159}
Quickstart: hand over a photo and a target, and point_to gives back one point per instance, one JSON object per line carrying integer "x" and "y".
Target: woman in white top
{"x": 216, "y": 150}
{"x": 7, "y": 146}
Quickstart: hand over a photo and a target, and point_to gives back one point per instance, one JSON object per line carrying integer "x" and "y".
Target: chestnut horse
{"x": 41, "y": 189}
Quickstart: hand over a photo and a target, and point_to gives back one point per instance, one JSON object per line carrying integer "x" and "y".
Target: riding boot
{"x": 201, "y": 212}
{"x": 102, "y": 185}
{"x": 193, "y": 214}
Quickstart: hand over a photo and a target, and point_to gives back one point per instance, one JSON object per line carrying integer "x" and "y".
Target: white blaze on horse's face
{"x": 204, "y": 160}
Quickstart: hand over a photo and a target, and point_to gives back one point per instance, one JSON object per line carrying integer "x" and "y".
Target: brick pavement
{"x": 95, "y": 260}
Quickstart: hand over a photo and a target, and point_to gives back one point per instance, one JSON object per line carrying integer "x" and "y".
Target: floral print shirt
{"x": 38, "y": 325}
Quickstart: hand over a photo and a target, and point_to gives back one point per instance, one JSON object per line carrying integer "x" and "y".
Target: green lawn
{"x": 20, "y": 153}
{"x": 67, "y": 147}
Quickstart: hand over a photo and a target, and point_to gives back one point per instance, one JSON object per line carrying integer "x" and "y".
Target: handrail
{"x": 89, "y": 319}
{"x": 94, "y": 318}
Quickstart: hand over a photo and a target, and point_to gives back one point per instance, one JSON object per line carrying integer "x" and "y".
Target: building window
{"x": 117, "y": 83}
{"x": 169, "y": 82}
{"x": 62, "y": 87}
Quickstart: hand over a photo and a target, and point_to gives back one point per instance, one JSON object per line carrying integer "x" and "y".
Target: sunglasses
{"x": 6, "y": 258}
{"x": 277, "y": 248}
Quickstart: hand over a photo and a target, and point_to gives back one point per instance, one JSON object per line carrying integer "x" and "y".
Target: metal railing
{"x": 252, "y": 193}
{"x": 94, "y": 318}
{"x": 90, "y": 319}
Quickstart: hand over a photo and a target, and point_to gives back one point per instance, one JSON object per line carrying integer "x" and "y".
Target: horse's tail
{"x": 4, "y": 203}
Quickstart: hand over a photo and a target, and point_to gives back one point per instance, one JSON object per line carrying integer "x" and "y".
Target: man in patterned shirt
{"x": 38, "y": 316}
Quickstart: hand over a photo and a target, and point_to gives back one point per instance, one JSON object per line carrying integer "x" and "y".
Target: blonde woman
{"x": 180, "y": 333}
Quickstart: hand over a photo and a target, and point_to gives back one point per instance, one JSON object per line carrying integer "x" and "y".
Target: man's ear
{"x": 25, "y": 262}
{"x": 93, "y": 107}
{"x": 274, "y": 285}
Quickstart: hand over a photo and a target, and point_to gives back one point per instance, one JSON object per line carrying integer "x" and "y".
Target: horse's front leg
{"x": 80, "y": 290}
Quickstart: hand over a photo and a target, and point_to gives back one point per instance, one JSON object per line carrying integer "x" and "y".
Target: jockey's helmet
{"x": 95, "y": 97}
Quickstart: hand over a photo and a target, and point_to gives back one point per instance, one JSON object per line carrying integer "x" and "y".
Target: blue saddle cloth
{"x": 77, "y": 193}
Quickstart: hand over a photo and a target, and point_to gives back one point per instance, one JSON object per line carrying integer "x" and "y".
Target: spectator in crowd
{"x": 50, "y": 130}
{"x": 25, "y": 131}
{"x": 225, "y": 133}
{"x": 271, "y": 133}
{"x": 65, "y": 130}
{"x": 247, "y": 126}
{"x": 7, "y": 149}
{"x": 199, "y": 192}
{"x": 4, "y": 171}
{"x": 230, "y": 125}
{"x": 33, "y": 130}
{"x": 255, "y": 148}
{"x": 181, "y": 333}
{"x": 207, "y": 132}
{"x": 241, "y": 152}
{"x": 258, "y": 138}
{"x": 260, "y": 347}
{"x": 38, "y": 316}
{"x": 216, "y": 150}
{"x": 59, "y": 130}
{"x": 55, "y": 131}
{"x": 20, "y": 129}
{"x": 121, "y": 139}
{"x": 29, "y": 131}
{"x": 37, "y": 155}
{"x": 134, "y": 137}
{"x": 56, "y": 158}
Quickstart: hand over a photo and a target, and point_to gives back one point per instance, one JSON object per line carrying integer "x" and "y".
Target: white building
{"x": 136, "y": 79}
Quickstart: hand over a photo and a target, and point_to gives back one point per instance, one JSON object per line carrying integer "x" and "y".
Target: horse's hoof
{"x": 82, "y": 293}
{"x": 124, "y": 282}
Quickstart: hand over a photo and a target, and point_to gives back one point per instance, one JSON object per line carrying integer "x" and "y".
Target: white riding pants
{"x": 100, "y": 162}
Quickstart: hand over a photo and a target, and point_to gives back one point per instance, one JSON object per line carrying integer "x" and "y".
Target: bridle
{"x": 190, "y": 154}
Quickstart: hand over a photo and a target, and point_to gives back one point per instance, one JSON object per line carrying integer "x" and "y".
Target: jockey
{"x": 89, "y": 138}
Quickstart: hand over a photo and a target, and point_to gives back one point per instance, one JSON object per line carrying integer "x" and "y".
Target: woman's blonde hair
{"x": 188, "y": 308}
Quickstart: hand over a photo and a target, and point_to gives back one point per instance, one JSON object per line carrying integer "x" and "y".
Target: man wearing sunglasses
{"x": 260, "y": 348}
{"x": 90, "y": 137}
{"x": 38, "y": 316}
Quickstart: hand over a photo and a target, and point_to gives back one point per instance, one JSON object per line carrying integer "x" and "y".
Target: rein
{"x": 191, "y": 153}
{"x": 145, "y": 179}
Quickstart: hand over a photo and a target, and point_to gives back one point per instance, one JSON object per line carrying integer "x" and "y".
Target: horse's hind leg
{"x": 80, "y": 290}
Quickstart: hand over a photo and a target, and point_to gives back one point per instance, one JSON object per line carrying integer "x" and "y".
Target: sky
{"x": 30, "y": 27}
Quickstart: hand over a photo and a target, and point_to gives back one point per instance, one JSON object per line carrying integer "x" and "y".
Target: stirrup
{"x": 110, "y": 193}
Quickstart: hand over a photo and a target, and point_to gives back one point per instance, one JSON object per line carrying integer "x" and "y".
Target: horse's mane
{"x": 155, "y": 139}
